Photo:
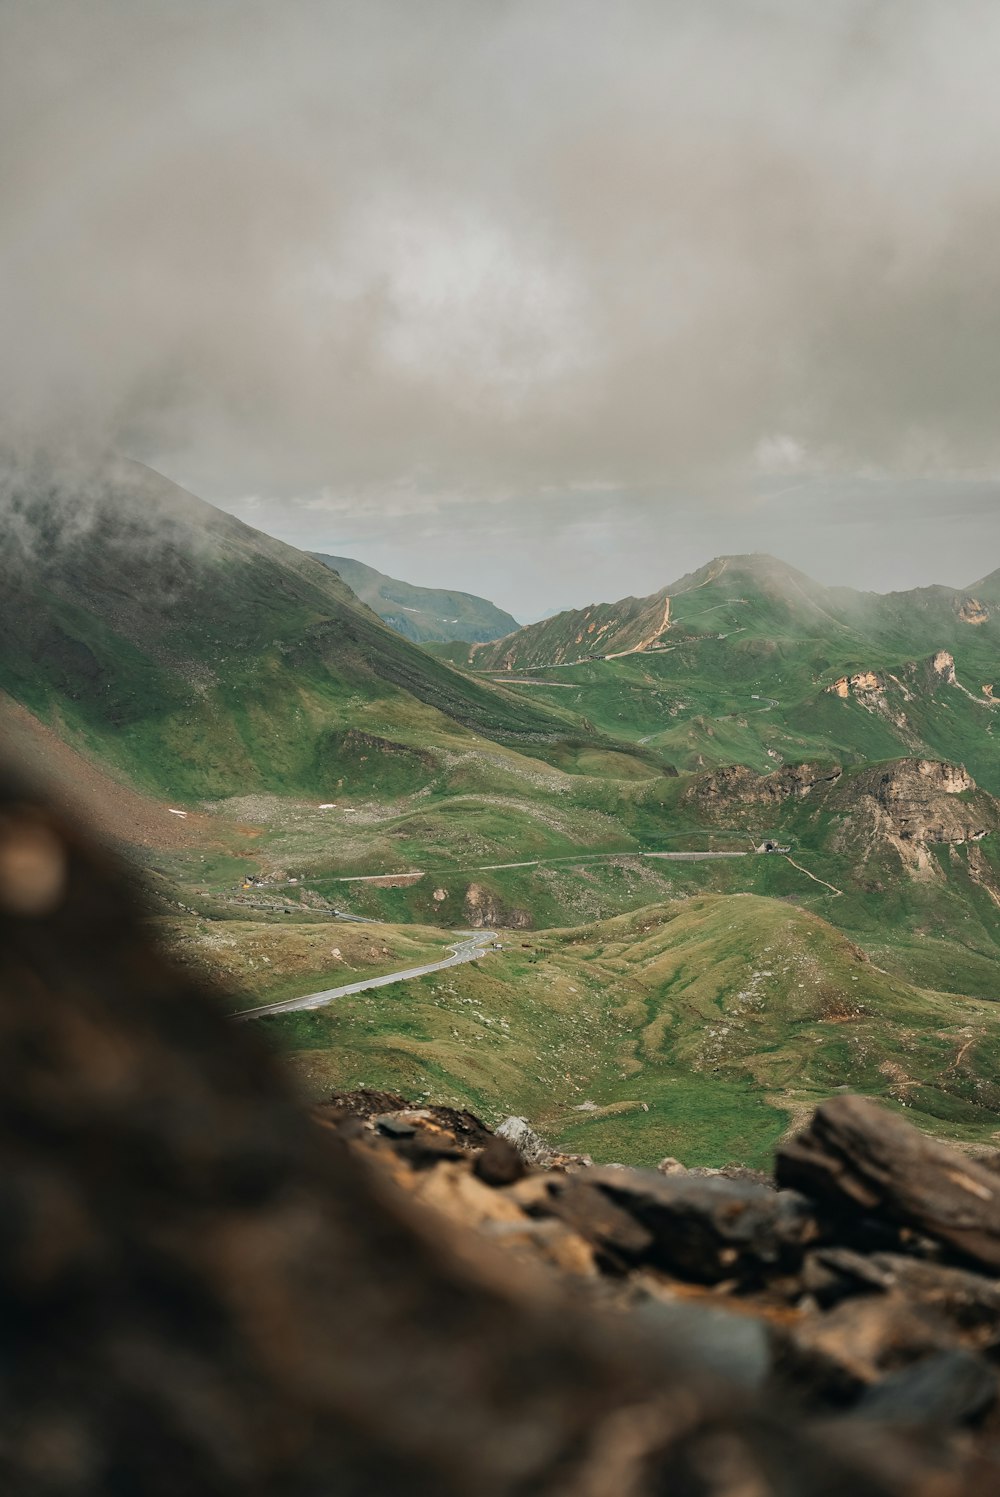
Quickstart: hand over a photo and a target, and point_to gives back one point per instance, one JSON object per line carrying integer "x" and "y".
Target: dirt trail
{"x": 644, "y": 644}
{"x": 815, "y": 880}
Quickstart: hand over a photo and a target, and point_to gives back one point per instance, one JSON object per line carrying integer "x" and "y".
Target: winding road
{"x": 466, "y": 950}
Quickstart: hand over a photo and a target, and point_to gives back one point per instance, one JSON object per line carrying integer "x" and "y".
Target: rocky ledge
{"x": 925, "y": 801}
{"x": 718, "y": 792}
{"x": 859, "y": 1281}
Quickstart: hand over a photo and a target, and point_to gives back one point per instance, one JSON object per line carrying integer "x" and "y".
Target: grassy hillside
{"x": 769, "y": 600}
{"x": 699, "y": 1028}
{"x": 201, "y": 657}
{"x": 913, "y": 848}
{"x": 599, "y": 631}
{"x": 422, "y": 613}
{"x": 260, "y": 959}
{"x": 347, "y": 768}
{"x": 759, "y": 665}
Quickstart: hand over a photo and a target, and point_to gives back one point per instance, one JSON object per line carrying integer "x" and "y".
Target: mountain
{"x": 749, "y": 661}
{"x": 199, "y": 656}
{"x": 422, "y": 613}
{"x": 757, "y": 595}
{"x": 349, "y": 772}
{"x": 599, "y": 631}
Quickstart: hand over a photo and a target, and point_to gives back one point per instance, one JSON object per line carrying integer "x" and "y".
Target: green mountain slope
{"x": 698, "y": 1028}
{"x": 903, "y": 855}
{"x": 766, "y": 599}
{"x": 601, "y": 631}
{"x": 759, "y": 665}
{"x": 422, "y": 613}
{"x": 200, "y": 656}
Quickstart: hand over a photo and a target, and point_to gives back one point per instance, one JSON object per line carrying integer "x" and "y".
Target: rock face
{"x": 909, "y": 805}
{"x": 735, "y": 785}
{"x": 864, "y": 684}
{"x": 906, "y": 804}
{"x": 484, "y": 909}
{"x": 916, "y": 800}
{"x": 928, "y": 778}
{"x": 971, "y": 611}
{"x": 942, "y": 666}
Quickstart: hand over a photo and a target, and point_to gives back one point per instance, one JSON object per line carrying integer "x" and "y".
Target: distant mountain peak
{"x": 422, "y": 613}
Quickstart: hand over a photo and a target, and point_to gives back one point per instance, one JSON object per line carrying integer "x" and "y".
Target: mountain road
{"x": 465, "y": 950}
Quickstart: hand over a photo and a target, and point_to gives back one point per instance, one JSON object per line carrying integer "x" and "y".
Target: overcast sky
{"x": 548, "y": 299}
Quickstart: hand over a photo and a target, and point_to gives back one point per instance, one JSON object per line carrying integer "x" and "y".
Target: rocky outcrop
{"x": 484, "y": 909}
{"x": 971, "y": 611}
{"x": 863, "y": 684}
{"x": 719, "y": 793}
{"x": 942, "y": 667}
{"x": 831, "y": 1280}
{"x": 918, "y": 798}
{"x": 906, "y": 805}
{"x": 911, "y": 804}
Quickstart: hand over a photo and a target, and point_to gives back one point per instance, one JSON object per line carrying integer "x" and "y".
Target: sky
{"x": 551, "y": 300}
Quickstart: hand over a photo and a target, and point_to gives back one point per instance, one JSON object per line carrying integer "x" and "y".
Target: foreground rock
{"x": 204, "y": 1291}
{"x": 862, "y": 1159}
{"x": 858, "y": 1278}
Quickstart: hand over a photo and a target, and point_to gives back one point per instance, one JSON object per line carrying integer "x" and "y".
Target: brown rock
{"x": 842, "y": 1352}
{"x": 617, "y": 1233}
{"x": 864, "y": 1159}
{"x": 499, "y": 1163}
{"x": 203, "y": 1292}
{"x": 713, "y": 1229}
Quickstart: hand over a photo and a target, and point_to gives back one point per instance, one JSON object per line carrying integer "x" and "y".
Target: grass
{"x": 698, "y": 1028}
{"x": 748, "y": 656}
{"x": 258, "y": 960}
{"x": 200, "y": 656}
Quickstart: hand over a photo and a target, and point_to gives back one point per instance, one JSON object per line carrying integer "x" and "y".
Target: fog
{"x": 551, "y": 300}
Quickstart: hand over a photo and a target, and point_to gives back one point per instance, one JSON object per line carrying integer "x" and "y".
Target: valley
{"x": 738, "y": 841}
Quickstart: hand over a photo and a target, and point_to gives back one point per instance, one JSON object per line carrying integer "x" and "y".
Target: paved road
{"x": 572, "y": 858}
{"x": 692, "y": 857}
{"x": 466, "y": 950}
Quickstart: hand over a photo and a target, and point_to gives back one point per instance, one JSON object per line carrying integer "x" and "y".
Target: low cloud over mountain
{"x": 330, "y": 264}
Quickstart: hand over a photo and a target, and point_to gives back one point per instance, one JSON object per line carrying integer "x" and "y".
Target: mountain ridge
{"x": 786, "y": 599}
{"x": 422, "y": 613}
{"x": 197, "y": 652}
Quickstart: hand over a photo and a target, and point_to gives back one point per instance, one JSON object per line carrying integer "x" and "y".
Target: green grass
{"x": 699, "y": 1028}
{"x": 757, "y": 629}
{"x": 203, "y": 661}
{"x": 202, "y": 657}
{"x": 259, "y": 959}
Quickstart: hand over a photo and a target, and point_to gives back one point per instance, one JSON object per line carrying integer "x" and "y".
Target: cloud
{"x": 502, "y": 251}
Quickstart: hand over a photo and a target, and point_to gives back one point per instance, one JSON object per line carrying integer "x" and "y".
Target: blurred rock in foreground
{"x": 204, "y": 1290}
